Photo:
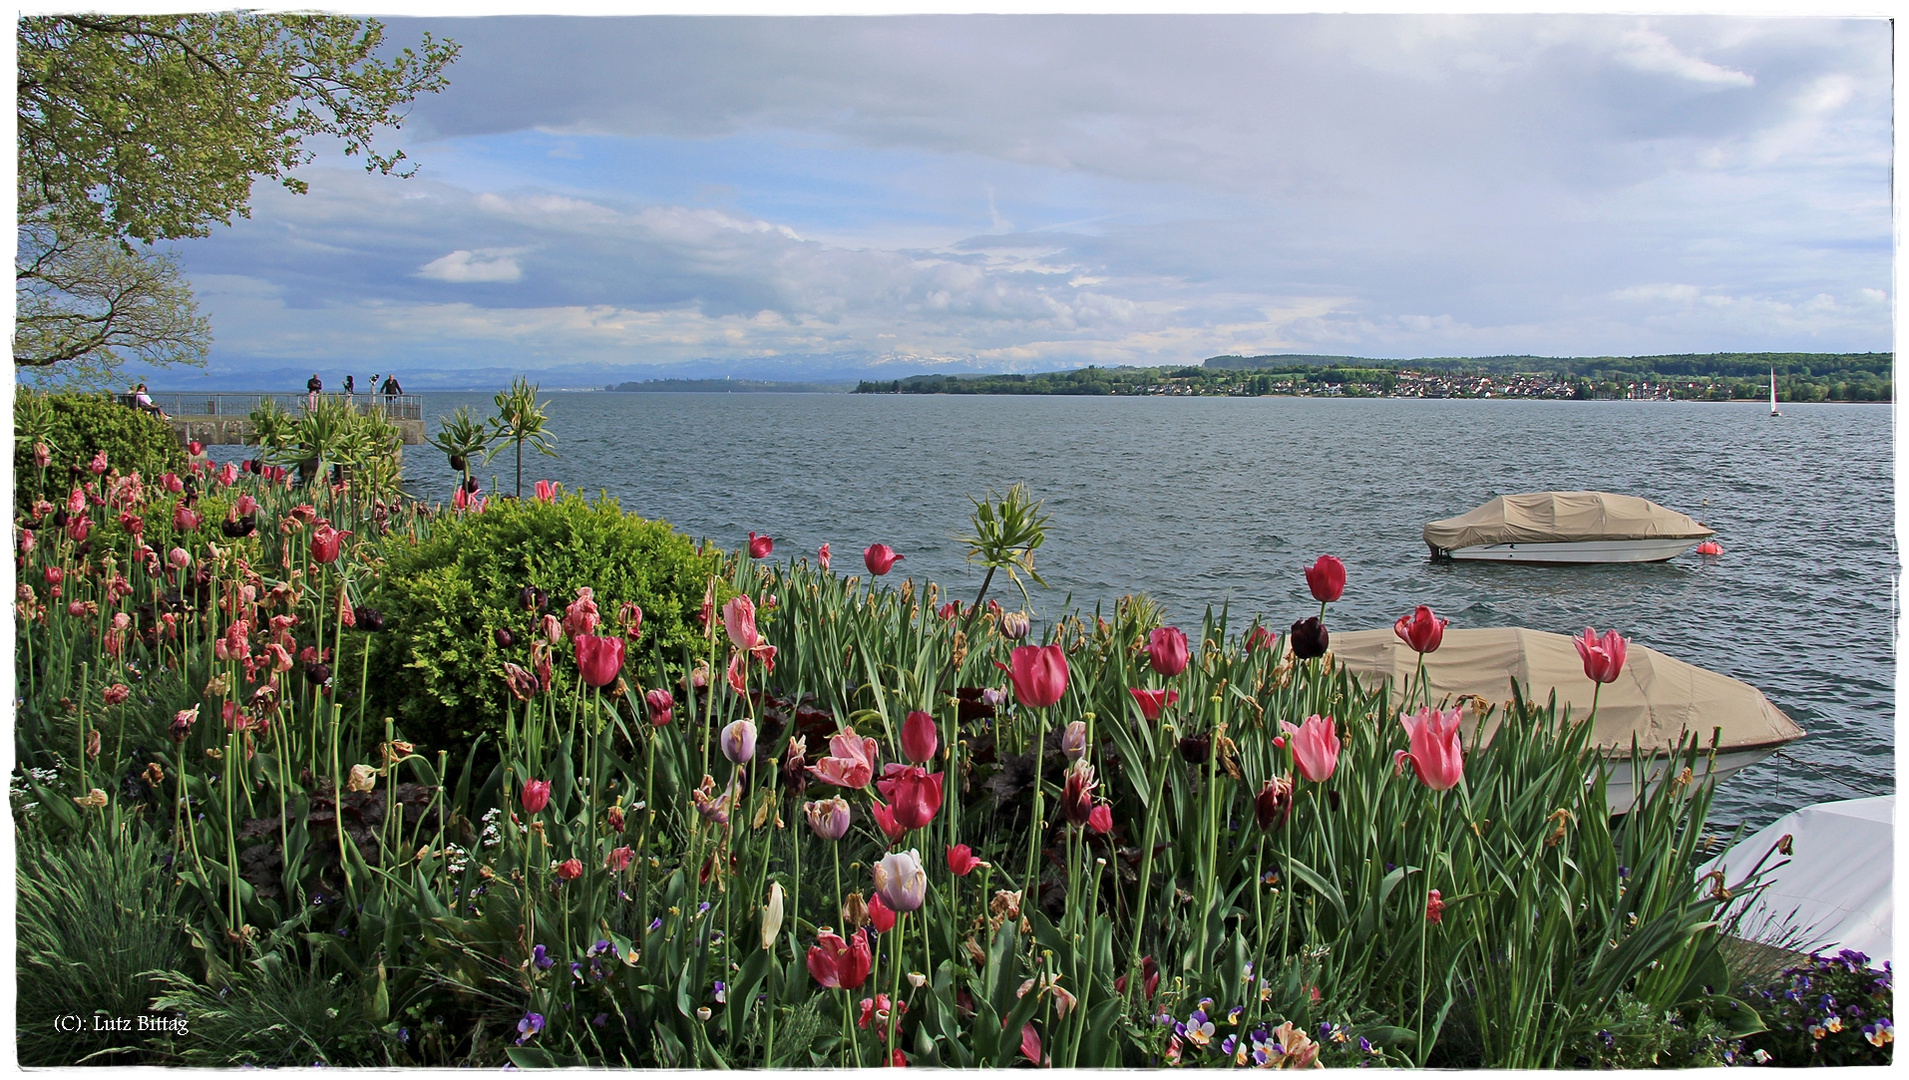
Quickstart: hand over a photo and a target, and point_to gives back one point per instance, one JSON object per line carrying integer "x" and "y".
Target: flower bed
{"x": 835, "y": 822}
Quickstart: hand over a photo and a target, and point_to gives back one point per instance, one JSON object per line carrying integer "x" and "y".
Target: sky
{"x": 829, "y": 197}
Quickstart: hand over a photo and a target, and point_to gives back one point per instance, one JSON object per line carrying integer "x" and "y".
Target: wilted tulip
{"x": 1074, "y": 740}
{"x": 99, "y": 463}
{"x": 1196, "y": 748}
{"x": 1039, "y": 674}
{"x": 1167, "y": 651}
{"x": 919, "y": 738}
{"x": 1603, "y": 656}
{"x": 41, "y": 455}
{"x": 580, "y": 616}
{"x": 772, "y": 916}
{"x": 599, "y": 659}
{"x": 961, "y": 860}
{"x": 900, "y": 881}
{"x": 739, "y": 622}
{"x": 1152, "y": 702}
{"x": 714, "y": 808}
{"x": 182, "y": 722}
{"x": 1077, "y": 793}
{"x": 1274, "y": 803}
{"x": 618, "y": 859}
{"x": 1015, "y": 625}
{"x": 368, "y": 619}
{"x": 854, "y": 911}
{"x": 1309, "y": 638}
{"x": 1327, "y": 579}
{"x": 836, "y": 964}
{"x": 738, "y": 740}
{"x": 535, "y": 796}
{"x": 570, "y": 869}
{"x": 851, "y": 760}
{"x": 1421, "y": 630}
{"x": 828, "y": 818}
{"x": 532, "y": 598}
{"x": 913, "y": 793}
{"x": 760, "y": 546}
{"x": 630, "y": 617}
{"x": 1434, "y": 907}
{"x": 504, "y": 638}
{"x": 880, "y": 558}
{"x": 363, "y": 778}
{"x": 661, "y": 705}
{"x": 1436, "y": 755}
{"x": 552, "y": 629}
{"x": 116, "y": 694}
{"x": 1315, "y": 747}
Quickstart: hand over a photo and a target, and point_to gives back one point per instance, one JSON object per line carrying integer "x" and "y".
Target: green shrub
{"x": 275, "y": 1015}
{"x": 1634, "y": 1035}
{"x": 95, "y": 922}
{"x": 74, "y": 427}
{"x": 438, "y": 668}
{"x": 1834, "y": 1010}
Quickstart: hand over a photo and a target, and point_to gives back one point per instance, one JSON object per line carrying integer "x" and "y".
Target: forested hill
{"x": 1712, "y": 365}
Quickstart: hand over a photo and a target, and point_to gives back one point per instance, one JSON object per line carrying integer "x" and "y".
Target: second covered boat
{"x": 1566, "y": 527}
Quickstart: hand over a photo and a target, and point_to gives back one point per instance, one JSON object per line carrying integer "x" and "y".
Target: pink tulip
{"x": 246, "y": 506}
{"x": 535, "y": 796}
{"x": 180, "y": 558}
{"x": 172, "y": 483}
{"x": 570, "y": 869}
{"x": 1327, "y": 579}
{"x": 739, "y": 622}
{"x": 1167, "y": 651}
{"x": 880, "y": 916}
{"x": 913, "y": 793}
{"x": 41, "y": 455}
{"x": 1039, "y": 674}
{"x": 822, "y": 556}
{"x": 880, "y": 558}
{"x": 828, "y": 818}
{"x": 1422, "y": 630}
{"x": 99, "y": 463}
{"x": 1603, "y": 656}
{"x": 229, "y": 474}
{"x": 919, "y": 739}
{"x": 546, "y": 491}
{"x": 1152, "y": 702}
{"x": 961, "y": 860}
{"x": 851, "y": 760}
{"x": 185, "y": 519}
{"x": 760, "y": 546}
{"x": 1101, "y": 821}
{"x": 1436, "y": 754}
{"x": 661, "y": 705}
{"x": 1434, "y": 907}
{"x": 1315, "y": 747}
{"x": 599, "y": 659}
{"x": 580, "y": 616}
{"x": 326, "y": 542}
{"x": 884, "y": 816}
{"x": 26, "y": 541}
{"x": 630, "y": 616}
{"x": 618, "y": 860}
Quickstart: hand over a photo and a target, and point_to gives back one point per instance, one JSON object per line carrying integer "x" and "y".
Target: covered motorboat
{"x": 1657, "y": 700}
{"x": 1566, "y": 527}
{"x": 1834, "y": 889}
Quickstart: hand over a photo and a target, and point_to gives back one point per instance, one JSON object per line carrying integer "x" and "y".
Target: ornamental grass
{"x": 851, "y": 821}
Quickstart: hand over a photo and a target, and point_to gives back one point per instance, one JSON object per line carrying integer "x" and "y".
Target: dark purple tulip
{"x": 1309, "y": 638}
{"x": 503, "y": 638}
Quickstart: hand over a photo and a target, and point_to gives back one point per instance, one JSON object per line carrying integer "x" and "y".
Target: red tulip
{"x": 919, "y": 739}
{"x": 185, "y": 519}
{"x": 880, "y": 915}
{"x": 195, "y": 448}
{"x": 1315, "y": 747}
{"x": 54, "y": 575}
{"x": 838, "y": 964}
{"x": 1436, "y": 755}
{"x": 1153, "y": 701}
{"x": 116, "y": 694}
{"x": 1101, "y": 820}
{"x": 326, "y": 542}
{"x": 1327, "y": 579}
{"x": 914, "y": 794}
{"x": 884, "y": 816}
{"x": 1603, "y": 656}
{"x": 1039, "y": 673}
{"x": 1167, "y": 651}
{"x": 1149, "y": 977}
{"x": 536, "y": 795}
{"x": 1260, "y": 638}
{"x": 1434, "y": 907}
{"x": 760, "y": 546}
{"x": 1421, "y": 630}
{"x": 570, "y": 869}
{"x": 880, "y": 558}
{"x": 618, "y": 860}
{"x": 851, "y": 760}
{"x": 661, "y": 704}
{"x": 599, "y": 659}
{"x": 961, "y": 860}
{"x": 822, "y": 556}
{"x": 1077, "y": 793}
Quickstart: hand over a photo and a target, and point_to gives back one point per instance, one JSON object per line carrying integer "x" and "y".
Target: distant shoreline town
{"x": 1800, "y": 377}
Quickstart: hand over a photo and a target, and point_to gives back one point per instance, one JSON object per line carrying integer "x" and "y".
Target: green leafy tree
{"x": 520, "y": 420}
{"x": 153, "y": 128}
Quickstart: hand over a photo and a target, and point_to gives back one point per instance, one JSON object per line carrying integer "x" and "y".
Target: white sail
{"x": 1773, "y": 411}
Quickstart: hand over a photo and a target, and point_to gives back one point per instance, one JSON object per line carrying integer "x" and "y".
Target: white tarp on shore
{"x": 1835, "y": 890}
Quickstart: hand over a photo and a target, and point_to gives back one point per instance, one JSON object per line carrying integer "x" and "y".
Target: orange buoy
{"x": 1709, "y": 547}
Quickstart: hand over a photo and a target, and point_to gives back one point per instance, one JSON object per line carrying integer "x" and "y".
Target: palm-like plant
{"x": 461, "y": 436}
{"x": 520, "y": 420}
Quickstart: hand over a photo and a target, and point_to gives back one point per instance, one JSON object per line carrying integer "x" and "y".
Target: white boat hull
{"x": 1621, "y": 789}
{"x": 1589, "y": 551}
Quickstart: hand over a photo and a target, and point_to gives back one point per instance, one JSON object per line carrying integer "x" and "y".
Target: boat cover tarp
{"x": 1835, "y": 891}
{"x": 1655, "y": 697}
{"x": 1561, "y": 517}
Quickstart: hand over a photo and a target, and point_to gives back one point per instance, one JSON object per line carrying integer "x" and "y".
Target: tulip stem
{"x": 894, "y": 981}
{"x": 1034, "y": 829}
{"x": 1146, "y": 866}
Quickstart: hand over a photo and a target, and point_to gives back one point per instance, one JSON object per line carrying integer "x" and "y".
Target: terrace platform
{"x": 220, "y": 419}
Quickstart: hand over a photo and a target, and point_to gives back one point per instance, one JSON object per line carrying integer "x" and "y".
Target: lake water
{"x": 1200, "y": 501}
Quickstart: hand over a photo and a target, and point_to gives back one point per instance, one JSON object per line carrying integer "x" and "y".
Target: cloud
{"x": 1647, "y": 50}
{"x": 468, "y": 266}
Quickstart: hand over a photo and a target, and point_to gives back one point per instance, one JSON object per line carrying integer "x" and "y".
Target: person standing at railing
{"x": 312, "y": 389}
{"x": 391, "y": 389}
{"x": 349, "y": 390}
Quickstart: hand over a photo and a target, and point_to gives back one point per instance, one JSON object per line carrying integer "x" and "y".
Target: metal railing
{"x": 238, "y": 406}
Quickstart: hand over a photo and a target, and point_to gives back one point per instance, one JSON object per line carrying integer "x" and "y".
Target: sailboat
{"x": 1773, "y": 411}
